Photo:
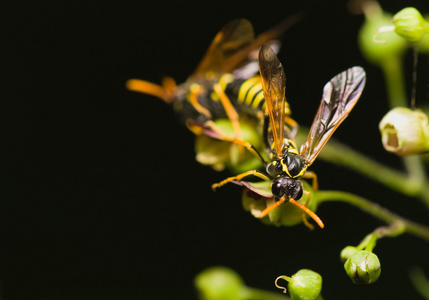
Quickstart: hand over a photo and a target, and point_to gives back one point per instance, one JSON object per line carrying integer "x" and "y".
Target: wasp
{"x": 223, "y": 84}
{"x": 287, "y": 164}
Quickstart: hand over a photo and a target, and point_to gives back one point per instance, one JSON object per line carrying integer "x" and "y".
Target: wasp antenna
{"x": 309, "y": 212}
{"x": 271, "y": 207}
{"x": 149, "y": 88}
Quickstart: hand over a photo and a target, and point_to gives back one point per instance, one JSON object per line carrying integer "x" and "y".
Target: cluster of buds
{"x": 383, "y": 40}
{"x": 360, "y": 263}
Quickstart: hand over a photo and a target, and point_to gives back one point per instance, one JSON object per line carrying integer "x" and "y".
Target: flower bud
{"x": 288, "y": 214}
{"x": 389, "y": 43}
{"x": 363, "y": 267}
{"x": 347, "y": 252}
{"x": 304, "y": 285}
{"x": 410, "y": 24}
{"x": 219, "y": 283}
{"x": 257, "y": 196}
{"x": 405, "y": 131}
{"x": 223, "y": 154}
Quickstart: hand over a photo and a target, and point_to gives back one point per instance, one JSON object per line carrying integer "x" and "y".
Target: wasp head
{"x": 285, "y": 186}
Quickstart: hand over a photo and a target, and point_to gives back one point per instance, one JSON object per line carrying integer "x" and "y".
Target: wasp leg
{"x": 304, "y": 208}
{"x": 239, "y": 177}
{"x": 293, "y": 124}
{"x": 223, "y": 137}
{"x": 304, "y": 219}
{"x": 313, "y": 176}
{"x": 271, "y": 207}
{"x": 229, "y": 109}
{"x": 230, "y": 112}
{"x": 309, "y": 212}
{"x": 193, "y": 99}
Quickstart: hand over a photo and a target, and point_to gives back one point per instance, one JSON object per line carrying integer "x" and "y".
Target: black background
{"x": 103, "y": 198}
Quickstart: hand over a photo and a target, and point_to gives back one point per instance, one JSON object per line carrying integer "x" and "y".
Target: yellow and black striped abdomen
{"x": 251, "y": 96}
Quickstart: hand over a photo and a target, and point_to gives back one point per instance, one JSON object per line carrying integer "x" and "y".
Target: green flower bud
{"x": 347, "y": 252}
{"x": 304, "y": 285}
{"x": 378, "y": 47}
{"x": 405, "y": 131}
{"x": 257, "y": 196}
{"x": 222, "y": 154}
{"x": 288, "y": 214}
{"x": 410, "y": 24}
{"x": 363, "y": 267}
{"x": 219, "y": 283}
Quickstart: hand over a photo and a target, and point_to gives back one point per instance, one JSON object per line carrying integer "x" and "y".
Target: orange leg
{"x": 293, "y": 124}
{"x": 193, "y": 99}
{"x": 239, "y": 177}
{"x": 304, "y": 219}
{"x": 224, "y": 137}
{"x": 303, "y": 207}
{"x": 229, "y": 109}
{"x": 313, "y": 176}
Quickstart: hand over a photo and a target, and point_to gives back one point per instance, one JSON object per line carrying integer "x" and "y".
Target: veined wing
{"x": 340, "y": 95}
{"x": 232, "y": 38}
{"x": 234, "y": 45}
{"x": 273, "y": 82}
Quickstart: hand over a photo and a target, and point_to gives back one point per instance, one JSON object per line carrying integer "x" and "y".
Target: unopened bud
{"x": 304, "y": 285}
{"x": 347, "y": 252}
{"x": 410, "y": 24}
{"x": 219, "y": 283}
{"x": 363, "y": 267}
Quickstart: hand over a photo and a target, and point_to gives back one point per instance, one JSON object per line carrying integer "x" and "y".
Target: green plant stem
{"x": 393, "y": 74}
{"x": 372, "y": 242}
{"x": 415, "y": 185}
{"x": 420, "y": 282}
{"x": 374, "y": 210}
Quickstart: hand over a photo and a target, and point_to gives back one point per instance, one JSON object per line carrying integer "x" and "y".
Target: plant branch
{"x": 375, "y": 210}
{"x": 415, "y": 184}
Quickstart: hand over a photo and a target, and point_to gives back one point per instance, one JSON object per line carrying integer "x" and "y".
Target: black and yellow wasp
{"x": 288, "y": 164}
{"x": 223, "y": 84}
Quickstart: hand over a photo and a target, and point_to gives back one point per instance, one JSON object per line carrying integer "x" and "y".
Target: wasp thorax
{"x": 286, "y": 186}
{"x": 292, "y": 165}
{"x": 295, "y": 164}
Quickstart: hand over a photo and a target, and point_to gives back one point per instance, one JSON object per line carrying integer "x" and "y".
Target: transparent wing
{"x": 340, "y": 95}
{"x": 235, "y": 44}
{"x": 273, "y": 82}
{"x": 231, "y": 39}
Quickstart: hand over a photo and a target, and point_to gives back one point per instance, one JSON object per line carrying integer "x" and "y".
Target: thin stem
{"x": 372, "y": 242}
{"x": 415, "y": 184}
{"x": 420, "y": 282}
{"x": 393, "y": 74}
{"x": 414, "y": 78}
{"x": 374, "y": 210}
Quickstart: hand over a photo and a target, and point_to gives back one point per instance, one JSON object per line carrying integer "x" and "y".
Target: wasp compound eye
{"x": 274, "y": 169}
{"x": 286, "y": 186}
